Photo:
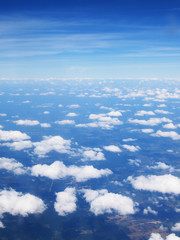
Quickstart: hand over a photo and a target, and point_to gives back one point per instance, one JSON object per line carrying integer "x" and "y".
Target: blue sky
{"x": 89, "y": 39}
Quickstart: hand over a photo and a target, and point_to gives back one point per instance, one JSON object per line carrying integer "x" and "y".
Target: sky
{"x": 68, "y": 39}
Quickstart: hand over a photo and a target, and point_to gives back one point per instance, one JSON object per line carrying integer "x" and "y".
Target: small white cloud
{"x": 162, "y": 105}
{"x": 3, "y": 114}
{"x": 65, "y": 122}
{"x": 50, "y": 143}
{"x": 142, "y": 113}
{"x": 65, "y": 202}
{"x": 149, "y": 210}
{"x": 103, "y": 202}
{"x": 60, "y": 105}
{"x": 71, "y": 114}
{"x": 163, "y": 166}
{"x": 18, "y": 146}
{"x": 27, "y": 122}
{"x": 176, "y": 227}
{"x": 11, "y": 164}
{"x": 46, "y": 112}
{"x": 162, "y": 111}
{"x": 58, "y": 170}
{"x": 150, "y": 122}
{"x": 92, "y": 154}
{"x": 131, "y": 148}
{"x": 114, "y": 114}
{"x": 45, "y": 125}
{"x": 171, "y": 134}
{"x": 163, "y": 183}
{"x": 129, "y": 140}
{"x": 147, "y": 130}
{"x": 135, "y": 162}
{"x": 13, "y": 136}
{"x": 16, "y": 203}
{"x": 112, "y": 148}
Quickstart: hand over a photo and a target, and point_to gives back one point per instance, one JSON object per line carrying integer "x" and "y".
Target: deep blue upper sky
{"x": 98, "y": 39}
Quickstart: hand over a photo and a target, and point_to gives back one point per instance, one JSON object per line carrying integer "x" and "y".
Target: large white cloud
{"x": 157, "y": 236}
{"x": 58, "y": 170}
{"x": 50, "y": 143}
{"x": 103, "y": 202}
{"x": 176, "y": 227}
{"x": 13, "y": 136}
{"x": 171, "y": 134}
{"x": 27, "y": 122}
{"x": 169, "y": 126}
{"x": 16, "y": 203}
{"x": 65, "y": 201}
{"x": 164, "y": 183}
{"x": 112, "y": 148}
{"x": 150, "y": 122}
{"x": 11, "y": 164}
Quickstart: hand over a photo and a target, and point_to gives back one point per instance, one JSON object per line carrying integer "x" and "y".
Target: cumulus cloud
{"x": 11, "y": 164}
{"x": 131, "y": 148}
{"x": 114, "y": 114}
{"x": 157, "y": 236}
{"x": 162, "y": 111}
{"x": 103, "y": 121}
{"x": 163, "y": 183}
{"x": 65, "y": 201}
{"x": 169, "y": 126}
{"x": 142, "y": 113}
{"x": 13, "y": 136}
{"x": 27, "y": 122}
{"x": 58, "y": 170}
{"x": 170, "y": 134}
{"x": 16, "y": 203}
{"x": 149, "y": 210}
{"x": 45, "y": 125}
{"x": 163, "y": 166}
{"x": 150, "y": 122}
{"x": 128, "y": 139}
{"x": 103, "y": 202}
{"x": 50, "y": 143}
{"x": 92, "y": 154}
{"x": 71, "y": 114}
{"x": 65, "y": 122}
{"x": 73, "y": 106}
{"x": 135, "y": 162}
{"x": 147, "y": 130}
{"x": 20, "y": 145}
{"x": 112, "y": 148}
{"x": 176, "y": 227}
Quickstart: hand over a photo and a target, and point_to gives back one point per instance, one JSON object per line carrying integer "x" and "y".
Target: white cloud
{"x": 135, "y": 162}
{"x": 46, "y": 112}
{"x": 171, "y": 134}
{"x": 131, "y": 148}
{"x": 27, "y": 122}
{"x": 169, "y": 126}
{"x": 13, "y": 136}
{"x": 149, "y": 210}
{"x": 60, "y": 105}
{"x": 71, "y": 114}
{"x": 114, "y": 114}
{"x": 103, "y": 202}
{"x": 176, "y": 227}
{"x": 150, "y": 122}
{"x": 3, "y": 114}
{"x": 128, "y": 139}
{"x": 163, "y": 166}
{"x": 162, "y": 111}
{"x": 65, "y": 201}
{"x": 163, "y": 183}
{"x": 20, "y": 145}
{"x": 45, "y": 125}
{"x": 157, "y": 236}
{"x": 65, "y": 122}
{"x": 92, "y": 154}
{"x": 50, "y": 143}
{"x": 162, "y": 105}
{"x": 16, "y": 203}
{"x": 11, "y": 164}
{"x": 112, "y": 148}
{"x": 142, "y": 113}
{"x": 58, "y": 170}
{"x": 147, "y": 130}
